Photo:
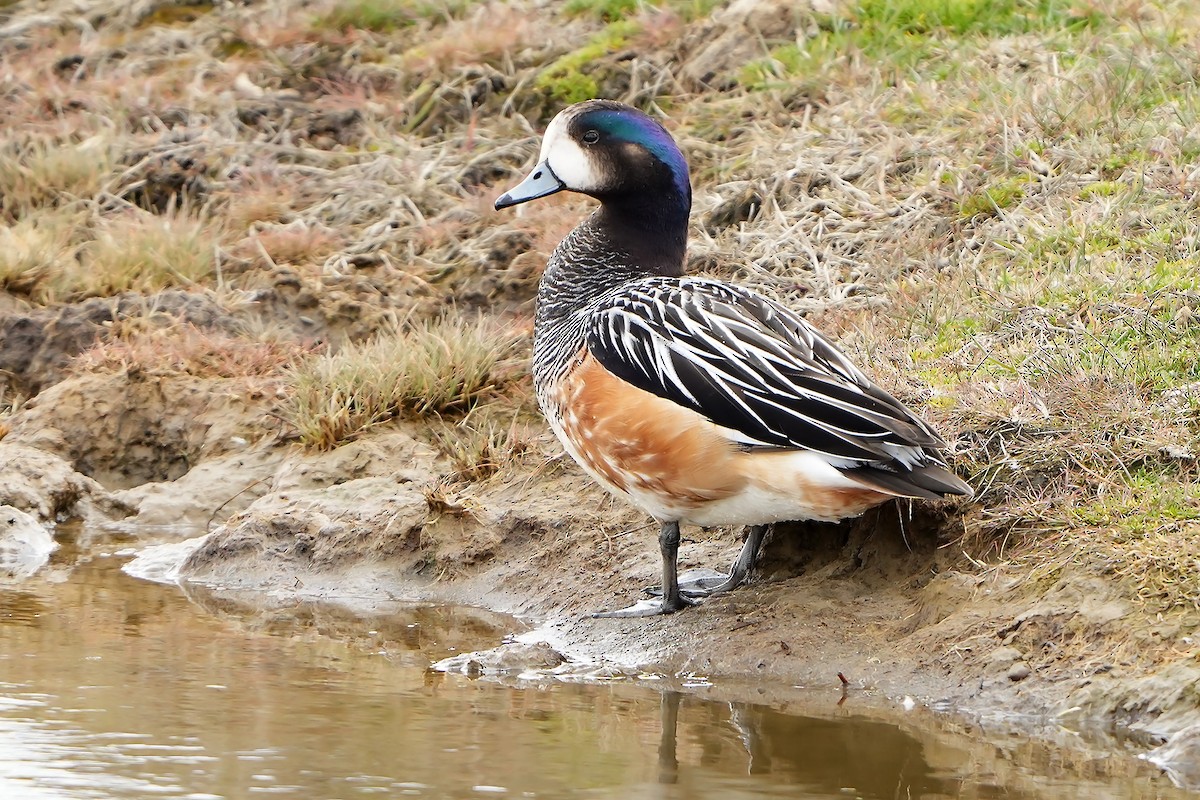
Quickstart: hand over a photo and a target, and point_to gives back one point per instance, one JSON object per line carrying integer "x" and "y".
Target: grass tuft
{"x": 991, "y": 200}
{"x": 606, "y": 10}
{"x": 485, "y": 442}
{"x": 43, "y": 173}
{"x": 433, "y": 367}
{"x": 143, "y": 253}
{"x": 386, "y": 16}
{"x": 36, "y": 251}
{"x": 57, "y": 254}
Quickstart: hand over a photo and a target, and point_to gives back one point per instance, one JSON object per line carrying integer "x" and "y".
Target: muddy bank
{"x": 887, "y": 600}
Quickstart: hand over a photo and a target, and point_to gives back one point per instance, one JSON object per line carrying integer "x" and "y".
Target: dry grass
{"x": 258, "y": 195}
{"x": 41, "y": 172}
{"x": 186, "y": 349}
{"x": 488, "y": 441}
{"x": 36, "y": 250}
{"x": 142, "y": 253}
{"x": 1006, "y": 233}
{"x": 294, "y": 243}
{"x": 487, "y": 35}
{"x": 444, "y": 365}
{"x": 63, "y": 254}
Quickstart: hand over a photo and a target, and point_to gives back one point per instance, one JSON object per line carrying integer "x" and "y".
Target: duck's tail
{"x": 930, "y": 481}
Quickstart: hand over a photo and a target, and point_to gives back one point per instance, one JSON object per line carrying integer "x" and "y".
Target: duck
{"x": 699, "y": 401}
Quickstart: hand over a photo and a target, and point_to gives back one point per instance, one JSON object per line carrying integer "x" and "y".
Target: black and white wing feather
{"x": 757, "y": 370}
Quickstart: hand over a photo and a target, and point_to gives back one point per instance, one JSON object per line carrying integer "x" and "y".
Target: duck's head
{"x": 611, "y": 152}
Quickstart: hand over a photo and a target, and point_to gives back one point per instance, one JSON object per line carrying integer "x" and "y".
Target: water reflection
{"x": 20, "y": 608}
{"x": 408, "y": 633}
{"x": 116, "y": 688}
{"x": 820, "y": 755}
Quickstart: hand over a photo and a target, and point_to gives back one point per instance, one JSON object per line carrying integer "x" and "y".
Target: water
{"x": 112, "y": 687}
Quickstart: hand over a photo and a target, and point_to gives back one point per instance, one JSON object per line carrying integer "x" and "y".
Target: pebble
{"x": 1019, "y": 671}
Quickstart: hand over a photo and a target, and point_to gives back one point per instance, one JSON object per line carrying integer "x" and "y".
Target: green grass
{"x": 1102, "y": 189}
{"x": 1128, "y": 89}
{"x": 1082, "y": 317}
{"x": 1064, "y": 344}
{"x": 567, "y": 79}
{"x": 613, "y": 10}
{"x": 427, "y": 368}
{"x": 993, "y": 199}
{"x": 606, "y": 10}
{"x": 916, "y": 35}
{"x": 967, "y": 17}
{"x": 1145, "y": 528}
{"x": 386, "y": 16}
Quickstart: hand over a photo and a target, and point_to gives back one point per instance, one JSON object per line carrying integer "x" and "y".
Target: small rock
{"x": 1177, "y": 451}
{"x": 161, "y": 563}
{"x": 1019, "y": 671}
{"x": 247, "y": 88}
{"x": 1003, "y": 657}
{"x": 70, "y": 66}
{"x": 740, "y": 208}
{"x": 25, "y": 544}
{"x": 507, "y": 659}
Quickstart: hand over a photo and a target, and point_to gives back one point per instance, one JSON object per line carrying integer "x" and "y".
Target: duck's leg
{"x": 705, "y": 582}
{"x": 672, "y": 599}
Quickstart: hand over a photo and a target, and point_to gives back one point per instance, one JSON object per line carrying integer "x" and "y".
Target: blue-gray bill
{"x": 540, "y": 183}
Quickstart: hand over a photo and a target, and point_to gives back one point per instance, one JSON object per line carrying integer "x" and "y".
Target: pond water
{"x": 113, "y": 687}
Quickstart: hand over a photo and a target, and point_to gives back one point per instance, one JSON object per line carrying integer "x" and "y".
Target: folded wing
{"x": 765, "y": 376}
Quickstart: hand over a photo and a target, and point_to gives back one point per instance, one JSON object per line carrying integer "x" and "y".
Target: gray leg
{"x": 672, "y": 599}
{"x": 708, "y": 583}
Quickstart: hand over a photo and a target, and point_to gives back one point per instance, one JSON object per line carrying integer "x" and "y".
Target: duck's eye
{"x": 591, "y": 137}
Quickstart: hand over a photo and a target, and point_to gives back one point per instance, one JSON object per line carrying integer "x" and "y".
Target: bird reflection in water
{"x": 813, "y": 753}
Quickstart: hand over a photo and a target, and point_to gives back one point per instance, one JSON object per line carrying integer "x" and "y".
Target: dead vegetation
{"x": 184, "y": 348}
{"x": 992, "y": 204}
{"x": 426, "y": 367}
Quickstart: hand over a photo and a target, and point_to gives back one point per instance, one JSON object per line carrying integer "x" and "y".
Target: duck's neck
{"x": 617, "y": 244}
{"x": 614, "y": 246}
{"x": 649, "y": 231}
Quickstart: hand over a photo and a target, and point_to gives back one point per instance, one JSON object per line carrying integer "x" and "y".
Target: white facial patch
{"x": 567, "y": 160}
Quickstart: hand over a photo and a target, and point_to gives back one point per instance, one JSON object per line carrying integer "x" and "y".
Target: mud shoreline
{"x": 881, "y": 600}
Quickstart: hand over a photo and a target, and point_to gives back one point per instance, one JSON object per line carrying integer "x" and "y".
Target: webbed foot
{"x": 672, "y": 601}
{"x": 698, "y": 583}
{"x": 645, "y": 608}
